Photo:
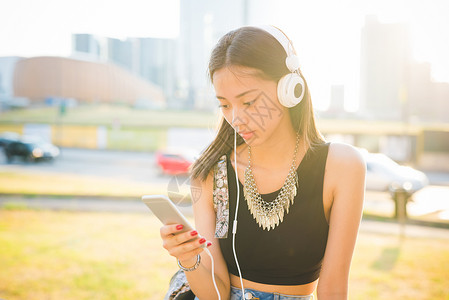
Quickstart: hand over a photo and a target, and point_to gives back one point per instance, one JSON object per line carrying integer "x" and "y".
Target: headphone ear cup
{"x": 287, "y": 86}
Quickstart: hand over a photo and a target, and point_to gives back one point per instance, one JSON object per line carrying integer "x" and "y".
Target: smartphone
{"x": 167, "y": 212}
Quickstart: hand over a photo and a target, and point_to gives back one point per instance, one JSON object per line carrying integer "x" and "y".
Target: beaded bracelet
{"x": 198, "y": 260}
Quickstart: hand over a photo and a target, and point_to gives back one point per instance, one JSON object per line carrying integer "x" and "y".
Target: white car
{"x": 383, "y": 173}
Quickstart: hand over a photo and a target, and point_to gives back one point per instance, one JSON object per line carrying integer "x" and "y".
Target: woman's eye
{"x": 224, "y": 106}
{"x": 249, "y": 103}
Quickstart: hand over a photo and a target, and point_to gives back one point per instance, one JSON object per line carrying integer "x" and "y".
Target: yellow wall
{"x": 11, "y": 128}
{"x": 75, "y": 136}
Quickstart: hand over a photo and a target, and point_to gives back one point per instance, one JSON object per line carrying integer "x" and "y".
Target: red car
{"x": 174, "y": 162}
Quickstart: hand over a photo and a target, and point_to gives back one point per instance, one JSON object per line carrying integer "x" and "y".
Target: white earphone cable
{"x": 213, "y": 272}
{"x": 234, "y": 225}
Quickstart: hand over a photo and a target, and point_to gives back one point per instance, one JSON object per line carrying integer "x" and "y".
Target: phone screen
{"x": 166, "y": 211}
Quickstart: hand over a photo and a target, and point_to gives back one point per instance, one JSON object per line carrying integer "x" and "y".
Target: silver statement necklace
{"x": 270, "y": 214}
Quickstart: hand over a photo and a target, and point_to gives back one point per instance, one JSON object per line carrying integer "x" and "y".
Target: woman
{"x": 299, "y": 199}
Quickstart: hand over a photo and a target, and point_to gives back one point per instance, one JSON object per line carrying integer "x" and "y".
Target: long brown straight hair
{"x": 254, "y": 48}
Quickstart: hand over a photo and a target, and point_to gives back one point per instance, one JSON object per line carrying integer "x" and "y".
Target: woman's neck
{"x": 276, "y": 151}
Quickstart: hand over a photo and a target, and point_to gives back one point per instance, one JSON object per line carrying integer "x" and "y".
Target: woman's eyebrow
{"x": 239, "y": 95}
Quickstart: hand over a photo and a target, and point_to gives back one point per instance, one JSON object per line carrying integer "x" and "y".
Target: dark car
{"x": 8, "y": 137}
{"x": 31, "y": 150}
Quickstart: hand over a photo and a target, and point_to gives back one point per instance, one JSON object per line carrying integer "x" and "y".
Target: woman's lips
{"x": 246, "y": 134}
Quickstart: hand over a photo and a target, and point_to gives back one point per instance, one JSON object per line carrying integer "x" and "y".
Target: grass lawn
{"x": 21, "y": 183}
{"x": 61, "y": 255}
{"x": 65, "y": 255}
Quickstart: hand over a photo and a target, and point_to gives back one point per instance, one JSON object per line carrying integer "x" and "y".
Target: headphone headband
{"x": 292, "y": 61}
{"x": 280, "y": 36}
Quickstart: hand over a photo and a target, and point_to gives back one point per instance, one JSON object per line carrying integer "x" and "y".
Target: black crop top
{"x": 292, "y": 252}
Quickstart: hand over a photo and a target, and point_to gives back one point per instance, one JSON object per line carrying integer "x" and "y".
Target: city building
{"x": 152, "y": 59}
{"x": 393, "y": 85}
{"x": 202, "y": 23}
{"x": 7, "y": 97}
{"x": 44, "y": 78}
{"x": 385, "y": 56}
{"x": 155, "y": 60}
{"x": 426, "y": 100}
{"x": 86, "y": 44}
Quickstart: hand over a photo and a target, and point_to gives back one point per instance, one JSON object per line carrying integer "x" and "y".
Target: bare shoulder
{"x": 343, "y": 155}
{"x": 203, "y": 183}
{"x": 201, "y": 190}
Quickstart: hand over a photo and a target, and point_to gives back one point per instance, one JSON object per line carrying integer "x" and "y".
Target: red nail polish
{"x": 209, "y": 244}
{"x": 179, "y": 227}
{"x": 193, "y": 233}
{"x": 202, "y": 241}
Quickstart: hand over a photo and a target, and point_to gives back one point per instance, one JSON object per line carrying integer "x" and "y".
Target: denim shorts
{"x": 236, "y": 294}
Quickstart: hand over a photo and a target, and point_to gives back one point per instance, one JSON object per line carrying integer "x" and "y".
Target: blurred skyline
{"x": 325, "y": 33}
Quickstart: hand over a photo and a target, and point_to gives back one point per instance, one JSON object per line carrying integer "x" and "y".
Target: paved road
{"x": 135, "y": 166}
{"x": 139, "y": 166}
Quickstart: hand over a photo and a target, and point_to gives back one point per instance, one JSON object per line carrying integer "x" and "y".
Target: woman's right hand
{"x": 184, "y": 246}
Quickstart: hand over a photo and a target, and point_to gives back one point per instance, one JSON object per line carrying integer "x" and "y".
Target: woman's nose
{"x": 238, "y": 117}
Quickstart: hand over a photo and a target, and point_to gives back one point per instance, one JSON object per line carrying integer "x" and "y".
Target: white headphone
{"x": 288, "y": 83}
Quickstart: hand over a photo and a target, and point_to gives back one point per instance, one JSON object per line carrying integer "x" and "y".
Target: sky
{"x": 326, "y": 33}
{"x": 44, "y": 27}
